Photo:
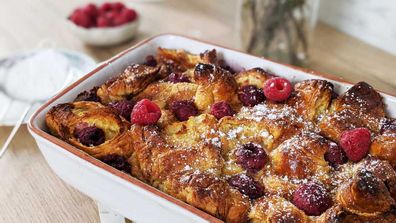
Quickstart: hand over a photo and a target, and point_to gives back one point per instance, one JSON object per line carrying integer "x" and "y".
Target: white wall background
{"x": 373, "y": 21}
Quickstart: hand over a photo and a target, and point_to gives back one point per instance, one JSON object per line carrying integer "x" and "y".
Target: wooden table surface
{"x": 31, "y": 192}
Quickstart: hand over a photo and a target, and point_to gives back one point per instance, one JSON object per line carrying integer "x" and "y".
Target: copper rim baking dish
{"x": 123, "y": 193}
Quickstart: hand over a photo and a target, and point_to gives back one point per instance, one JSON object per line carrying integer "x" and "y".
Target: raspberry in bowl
{"x": 105, "y": 24}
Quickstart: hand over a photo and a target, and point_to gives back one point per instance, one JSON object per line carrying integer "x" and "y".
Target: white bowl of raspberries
{"x": 105, "y": 24}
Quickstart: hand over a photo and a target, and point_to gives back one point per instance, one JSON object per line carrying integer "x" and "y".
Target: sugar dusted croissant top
{"x": 244, "y": 146}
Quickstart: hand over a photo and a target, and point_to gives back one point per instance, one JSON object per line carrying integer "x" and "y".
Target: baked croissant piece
{"x": 312, "y": 98}
{"x": 365, "y": 195}
{"x": 68, "y": 120}
{"x": 384, "y": 144}
{"x": 95, "y": 129}
{"x": 276, "y": 209}
{"x": 243, "y": 146}
{"x": 131, "y": 81}
{"x": 360, "y": 106}
{"x": 190, "y": 174}
{"x": 302, "y": 157}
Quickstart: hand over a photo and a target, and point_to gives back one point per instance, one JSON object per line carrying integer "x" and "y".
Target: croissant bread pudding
{"x": 245, "y": 146}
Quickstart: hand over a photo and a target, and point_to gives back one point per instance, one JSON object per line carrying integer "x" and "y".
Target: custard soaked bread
{"x": 244, "y": 146}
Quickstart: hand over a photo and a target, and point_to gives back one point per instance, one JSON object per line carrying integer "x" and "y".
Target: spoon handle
{"x": 14, "y": 130}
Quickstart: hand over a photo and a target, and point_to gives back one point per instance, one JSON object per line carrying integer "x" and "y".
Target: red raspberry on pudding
{"x": 184, "y": 109}
{"x": 89, "y": 135}
{"x": 247, "y": 185}
{"x": 277, "y": 89}
{"x": 335, "y": 155}
{"x": 356, "y": 143}
{"x": 124, "y": 108}
{"x": 250, "y": 95}
{"x": 251, "y": 157}
{"x": 145, "y": 112}
{"x": 221, "y": 109}
{"x": 312, "y": 198}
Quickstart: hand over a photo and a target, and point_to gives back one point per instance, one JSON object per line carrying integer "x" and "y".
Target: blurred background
{"x": 345, "y": 35}
{"x": 352, "y": 39}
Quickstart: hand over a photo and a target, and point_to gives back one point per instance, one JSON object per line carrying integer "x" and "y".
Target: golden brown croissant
{"x": 215, "y": 84}
{"x": 255, "y": 76}
{"x": 178, "y": 171}
{"x": 365, "y": 194}
{"x": 274, "y": 209}
{"x": 384, "y": 145}
{"x": 131, "y": 81}
{"x": 64, "y": 120}
{"x": 311, "y": 98}
{"x": 360, "y": 106}
{"x": 180, "y": 60}
{"x": 337, "y": 214}
{"x": 210, "y": 193}
{"x": 301, "y": 157}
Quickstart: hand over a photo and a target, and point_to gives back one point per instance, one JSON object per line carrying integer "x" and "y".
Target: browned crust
{"x": 131, "y": 81}
{"x": 360, "y": 106}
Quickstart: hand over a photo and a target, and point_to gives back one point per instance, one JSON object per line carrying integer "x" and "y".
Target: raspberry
{"x": 117, "y": 6}
{"x": 80, "y": 18}
{"x": 128, "y": 15}
{"x": 119, "y": 20}
{"x": 277, "y": 89}
{"x": 124, "y": 108}
{"x": 177, "y": 78}
{"x": 246, "y": 185}
{"x": 89, "y": 135}
{"x": 145, "y": 112}
{"x": 251, "y": 157}
{"x": 312, "y": 198}
{"x": 118, "y": 162}
{"x": 91, "y": 10}
{"x": 184, "y": 109}
{"x": 103, "y": 21}
{"x": 335, "y": 155}
{"x": 250, "y": 95}
{"x": 221, "y": 109}
{"x": 111, "y": 16}
{"x": 105, "y": 7}
{"x": 356, "y": 143}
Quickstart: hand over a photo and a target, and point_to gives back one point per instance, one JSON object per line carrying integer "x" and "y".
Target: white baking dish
{"x": 123, "y": 193}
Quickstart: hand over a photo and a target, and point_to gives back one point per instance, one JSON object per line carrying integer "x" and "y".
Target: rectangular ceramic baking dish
{"x": 121, "y": 192}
